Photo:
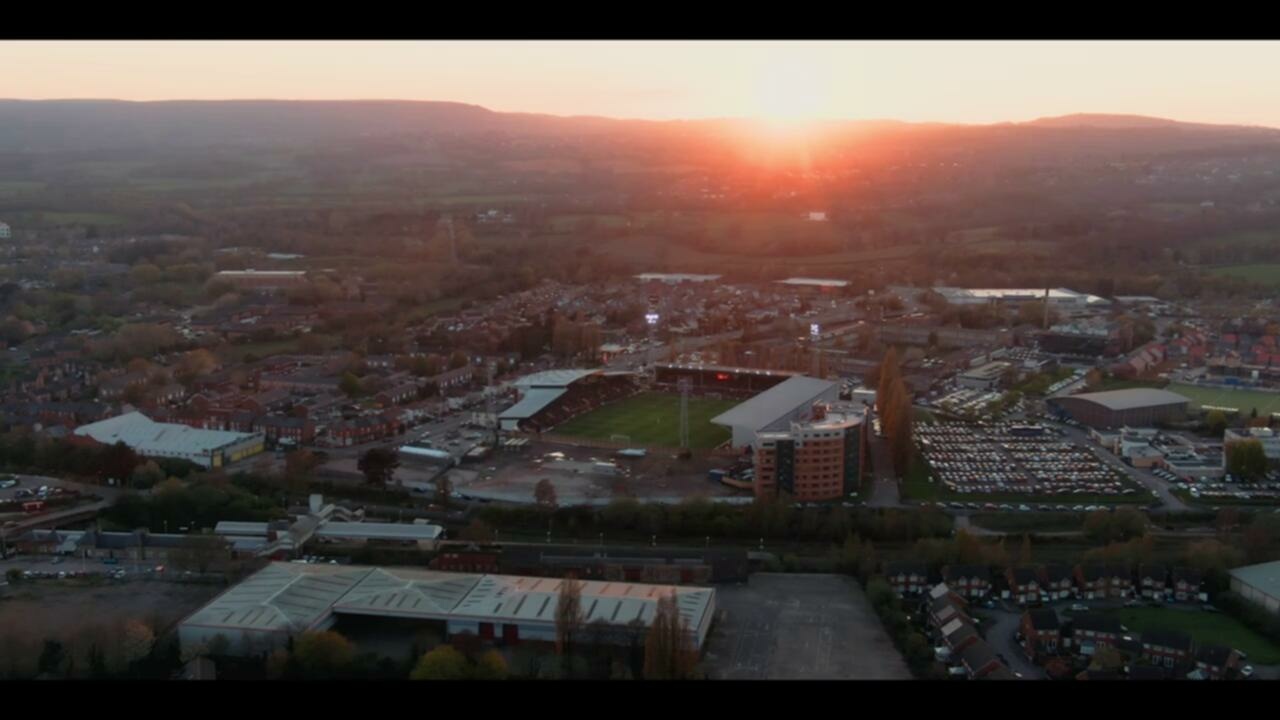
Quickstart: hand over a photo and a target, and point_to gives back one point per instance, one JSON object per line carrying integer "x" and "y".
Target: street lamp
{"x": 653, "y": 541}
{"x": 601, "y": 539}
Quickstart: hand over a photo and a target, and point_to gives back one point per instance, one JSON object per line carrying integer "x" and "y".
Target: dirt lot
{"x": 78, "y": 613}
{"x": 658, "y": 476}
{"x": 794, "y": 626}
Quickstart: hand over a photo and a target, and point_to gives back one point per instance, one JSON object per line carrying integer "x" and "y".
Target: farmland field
{"x": 652, "y": 419}
{"x": 1243, "y": 400}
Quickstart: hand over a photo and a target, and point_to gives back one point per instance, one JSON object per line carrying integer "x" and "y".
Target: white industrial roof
{"x": 291, "y": 596}
{"x": 425, "y": 452}
{"x": 379, "y": 531}
{"x": 814, "y": 282}
{"x": 282, "y": 597}
{"x": 552, "y": 378}
{"x": 263, "y": 273}
{"x": 231, "y": 527}
{"x": 677, "y": 277}
{"x": 407, "y": 592}
{"x": 145, "y": 435}
{"x": 777, "y": 401}
{"x": 531, "y": 404}
{"x": 1264, "y": 577}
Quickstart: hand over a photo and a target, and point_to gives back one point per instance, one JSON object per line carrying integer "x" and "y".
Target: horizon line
{"x": 717, "y": 118}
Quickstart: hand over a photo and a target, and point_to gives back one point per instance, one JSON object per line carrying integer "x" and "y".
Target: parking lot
{"x": 795, "y": 626}
{"x": 1003, "y": 458}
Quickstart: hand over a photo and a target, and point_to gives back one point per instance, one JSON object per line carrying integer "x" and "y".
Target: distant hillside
{"x": 91, "y": 125}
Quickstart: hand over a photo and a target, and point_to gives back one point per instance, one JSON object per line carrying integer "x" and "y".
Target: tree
{"x": 568, "y": 618}
{"x": 1106, "y": 657}
{"x": 1216, "y": 421}
{"x": 491, "y": 666}
{"x": 323, "y": 654}
{"x": 349, "y": 384}
{"x": 545, "y": 494}
{"x": 1024, "y": 556}
{"x": 378, "y": 465}
{"x": 117, "y": 462}
{"x": 442, "y": 663}
{"x": 1246, "y": 458}
{"x": 668, "y": 651}
{"x": 137, "y": 642}
{"x": 52, "y": 658}
{"x": 477, "y": 531}
{"x": 444, "y": 490}
{"x": 200, "y": 552}
{"x": 146, "y": 476}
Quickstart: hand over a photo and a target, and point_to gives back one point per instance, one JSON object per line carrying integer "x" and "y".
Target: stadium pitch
{"x": 1244, "y": 400}
{"x": 651, "y": 419}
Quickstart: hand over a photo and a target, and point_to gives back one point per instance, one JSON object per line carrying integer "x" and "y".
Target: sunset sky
{"x": 960, "y": 81}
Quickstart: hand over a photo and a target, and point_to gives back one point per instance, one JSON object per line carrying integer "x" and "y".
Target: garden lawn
{"x": 1203, "y": 627}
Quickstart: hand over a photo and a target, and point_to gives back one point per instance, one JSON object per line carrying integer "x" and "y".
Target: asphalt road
{"x": 1170, "y": 501}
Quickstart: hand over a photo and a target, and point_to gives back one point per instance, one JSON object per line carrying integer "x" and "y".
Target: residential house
{"x": 1104, "y": 581}
{"x": 1187, "y": 585}
{"x": 1168, "y": 648}
{"x": 298, "y": 430}
{"x": 1153, "y": 580}
{"x": 1041, "y": 633}
{"x": 945, "y": 609}
{"x": 907, "y": 578}
{"x": 368, "y": 428}
{"x": 958, "y": 635}
{"x": 968, "y": 581}
{"x": 1024, "y": 585}
{"x": 979, "y": 660}
{"x": 397, "y": 395}
{"x": 1058, "y": 581}
{"x": 1216, "y": 661}
{"x": 1092, "y": 630}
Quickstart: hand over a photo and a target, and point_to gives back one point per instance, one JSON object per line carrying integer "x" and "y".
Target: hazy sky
{"x": 1227, "y": 82}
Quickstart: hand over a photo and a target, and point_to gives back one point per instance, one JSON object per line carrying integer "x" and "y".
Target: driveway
{"x": 1001, "y": 625}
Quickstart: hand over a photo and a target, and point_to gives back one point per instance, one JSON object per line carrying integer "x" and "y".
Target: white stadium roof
{"x": 378, "y": 531}
{"x": 677, "y": 277}
{"x": 533, "y": 401}
{"x": 553, "y": 378}
{"x": 147, "y": 436}
{"x": 774, "y": 403}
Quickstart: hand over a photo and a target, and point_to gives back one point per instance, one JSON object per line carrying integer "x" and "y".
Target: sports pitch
{"x": 652, "y": 419}
{"x": 1243, "y": 400}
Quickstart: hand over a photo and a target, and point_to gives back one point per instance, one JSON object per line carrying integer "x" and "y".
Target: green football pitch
{"x": 652, "y": 419}
{"x": 1243, "y": 400}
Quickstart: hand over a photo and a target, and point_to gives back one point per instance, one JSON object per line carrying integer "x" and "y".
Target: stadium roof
{"x": 429, "y": 453}
{"x": 553, "y": 378}
{"x": 286, "y": 597}
{"x": 532, "y": 403}
{"x": 1131, "y": 398}
{"x": 282, "y": 597}
{"x": 814, "y": 282}
{"x": 261, "y": 273}
{"x": 1264, "y": 577}
{"x": 145, "y": 435}
{"x": 251, "y": 529}
{"x": 777, "y": 401}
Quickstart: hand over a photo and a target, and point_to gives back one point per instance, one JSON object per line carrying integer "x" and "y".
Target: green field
{"x": 652, "y": 419}
{"x": 1243, "y": 400}
{"x": 82, "y": 218}
{"x": 1203, "y": 628}
{"x": 1255, "y": 273}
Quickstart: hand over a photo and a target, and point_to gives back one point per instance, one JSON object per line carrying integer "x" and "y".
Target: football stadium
{"x": 628, "y": 410}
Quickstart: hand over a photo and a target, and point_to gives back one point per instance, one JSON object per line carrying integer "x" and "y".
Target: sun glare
{"x": 789, "y": 94}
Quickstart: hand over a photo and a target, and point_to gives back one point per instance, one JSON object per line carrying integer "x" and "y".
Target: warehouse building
{"x": 207, "y": 448}
{"x": 285, "y": 599}
{"x": 791, "y": 400}
{"x": 984, "y": 377}
{"x": 1135, "y": 407}
{"x": 1259, "y": 584}
{"x": 263, "y": 279}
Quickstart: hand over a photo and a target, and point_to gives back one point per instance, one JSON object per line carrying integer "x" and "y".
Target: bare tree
{"x": 568, "y": 619}
{"x": 668, "y": 652}
{"x": 545, "y": 493}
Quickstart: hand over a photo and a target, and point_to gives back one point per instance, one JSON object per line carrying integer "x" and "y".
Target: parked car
{"x": 1079, "y": 607}
{"x": 1246, "y": 671}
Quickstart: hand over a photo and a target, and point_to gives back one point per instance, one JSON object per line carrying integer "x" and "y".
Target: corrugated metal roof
{"x": 379, "y": 531}
{"x": 1264, "y": 577}
{"x": 145, "y": 435}
{"x": 553, "y": 378}
{"x": 1131, "y": 398}
{"x": 777, "y": 401}
{"x": 533, "y": 401}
